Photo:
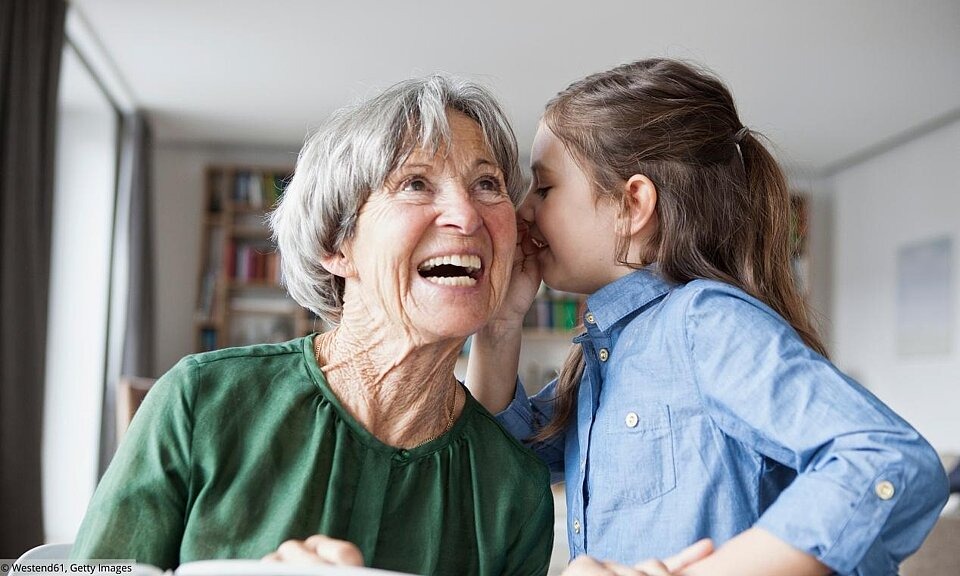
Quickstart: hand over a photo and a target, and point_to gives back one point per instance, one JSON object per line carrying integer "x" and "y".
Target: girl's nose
{"x": 527, "y": 210}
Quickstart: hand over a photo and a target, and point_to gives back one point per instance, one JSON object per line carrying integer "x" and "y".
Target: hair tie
{"x": 741, "y": 133}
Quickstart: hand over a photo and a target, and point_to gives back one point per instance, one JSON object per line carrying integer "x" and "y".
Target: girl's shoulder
{"x": 703, "y": 302}
{"x": 714, "y": 293}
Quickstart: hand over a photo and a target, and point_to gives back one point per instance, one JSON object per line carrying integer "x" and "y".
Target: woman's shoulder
{"x": 223, "y": 357}
{"x": 490, "y": 437}
{"x": 221, "y": 371}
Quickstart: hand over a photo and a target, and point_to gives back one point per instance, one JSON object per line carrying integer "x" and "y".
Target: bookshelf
{"x": 240, "y": 300}
{"x": 553, "y": 313}
{"x": 548, "y": 328}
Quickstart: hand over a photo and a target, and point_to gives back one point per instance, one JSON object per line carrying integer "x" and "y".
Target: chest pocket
{"x": 631, "y": 456}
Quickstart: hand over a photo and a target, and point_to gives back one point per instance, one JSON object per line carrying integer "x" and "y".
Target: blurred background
{"x": 144, "y": 140}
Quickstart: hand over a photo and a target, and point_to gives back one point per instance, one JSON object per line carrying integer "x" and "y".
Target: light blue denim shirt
{"x": 702, "y": 413}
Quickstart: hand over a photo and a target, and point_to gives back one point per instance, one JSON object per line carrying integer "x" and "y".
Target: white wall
{"x": 178, "y": 206}
{"x": 908, "y": 194}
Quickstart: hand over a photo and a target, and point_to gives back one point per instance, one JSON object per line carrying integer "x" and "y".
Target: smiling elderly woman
{"x": 398, "y": 228}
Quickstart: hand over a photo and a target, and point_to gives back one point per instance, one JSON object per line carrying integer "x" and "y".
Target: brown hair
{"x": 722, "y": 201}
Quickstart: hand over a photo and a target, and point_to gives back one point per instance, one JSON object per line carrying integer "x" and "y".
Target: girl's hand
{"x": 317, "y": 549}
{"x": 587, "y": 566}
{"x": 524, "y": 279}
{"x": 673, "y": 566}
{"x": 678, "y": 562}
{"x": 495, "y": 353}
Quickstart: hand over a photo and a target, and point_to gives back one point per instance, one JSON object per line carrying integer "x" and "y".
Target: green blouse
{"x": 235, "y": 451}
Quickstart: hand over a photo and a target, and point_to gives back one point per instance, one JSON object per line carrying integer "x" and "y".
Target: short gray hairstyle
{"x": 352, "y": 154}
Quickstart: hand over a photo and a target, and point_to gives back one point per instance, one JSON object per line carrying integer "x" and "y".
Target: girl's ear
{"x": 339, "y": 264}
{"x": 640, "y": 203}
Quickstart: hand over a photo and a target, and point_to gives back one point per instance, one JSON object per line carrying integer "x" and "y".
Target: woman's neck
{"x": 404, "y": 394}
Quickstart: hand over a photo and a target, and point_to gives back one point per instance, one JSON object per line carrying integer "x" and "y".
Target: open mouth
{"x": 452, "y": 270}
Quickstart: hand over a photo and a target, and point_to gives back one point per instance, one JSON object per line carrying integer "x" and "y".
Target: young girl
{"x": 698, "y": 402}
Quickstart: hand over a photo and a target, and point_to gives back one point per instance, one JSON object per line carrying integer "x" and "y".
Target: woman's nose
{"x": 459, "y": 210}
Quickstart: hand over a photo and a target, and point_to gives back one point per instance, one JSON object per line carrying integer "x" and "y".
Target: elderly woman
{"x": 398, "y": 229}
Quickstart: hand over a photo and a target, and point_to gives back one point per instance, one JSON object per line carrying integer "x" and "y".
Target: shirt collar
{"x": 626, "y": 295}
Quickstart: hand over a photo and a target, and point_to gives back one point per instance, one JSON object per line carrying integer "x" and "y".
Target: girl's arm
{"x": 494, "y": 363}
{"x": 756, "y": 552}
{"x": 868, "y": 488}
{"x": 495, "y": 350}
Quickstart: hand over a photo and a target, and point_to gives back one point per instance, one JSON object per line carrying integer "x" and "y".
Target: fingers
{"x": 317, "y": 549}
{"x": 654, "y": 568}
{"x": 587, "y": 566}
{"x": 524, "y": 239}
{"x": 337, "y": 552}
{"x": 295, "y": 552}
{"x": 689, "y": 555}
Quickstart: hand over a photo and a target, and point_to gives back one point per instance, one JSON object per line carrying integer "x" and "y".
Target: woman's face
{"x": 432, "y": 250}
{"x": 575, "y": 232}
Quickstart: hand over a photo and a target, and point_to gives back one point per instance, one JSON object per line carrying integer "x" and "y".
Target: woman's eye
{"x": 415, "y": 185}
{"x": 490, "y": 184}
{"x": 542, "y": 192}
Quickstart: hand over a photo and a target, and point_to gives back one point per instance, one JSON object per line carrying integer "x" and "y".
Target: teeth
{"x": 469, "y": 261}
{"x": 454, "y": 281}
{"x": 538, "y": 243}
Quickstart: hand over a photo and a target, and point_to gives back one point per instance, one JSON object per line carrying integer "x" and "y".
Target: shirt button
{"x": 632, "y": 419}
{"x": 590, "y": 318}
{"x": 604, "y": 354}
{"x": 403, "y": 454}
{"x": 576, "y": 526}
{"x": 885, "y": 490}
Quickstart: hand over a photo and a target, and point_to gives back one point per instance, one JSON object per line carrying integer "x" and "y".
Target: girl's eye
{"x": 542, "y": 192}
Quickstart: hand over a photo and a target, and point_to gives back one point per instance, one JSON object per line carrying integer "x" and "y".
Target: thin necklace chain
{"x": 451, "y": 409}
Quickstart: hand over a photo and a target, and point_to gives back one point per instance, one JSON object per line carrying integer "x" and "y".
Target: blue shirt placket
{"x": 588, "y": 400}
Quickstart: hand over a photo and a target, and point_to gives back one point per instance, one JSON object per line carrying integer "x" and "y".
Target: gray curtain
{"x": 135, "y": 232}
{"x": 31, "y": 41}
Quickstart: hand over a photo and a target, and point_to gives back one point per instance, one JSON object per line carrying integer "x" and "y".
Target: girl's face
{"x": 576, "y": 233}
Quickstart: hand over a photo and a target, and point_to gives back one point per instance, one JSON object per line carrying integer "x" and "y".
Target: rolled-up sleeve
{"x": 524, "y": 417}
{"x": 869, "y": 487}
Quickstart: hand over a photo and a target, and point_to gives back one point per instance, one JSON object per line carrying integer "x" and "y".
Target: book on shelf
{"x": 252, "y": 261}
{"x": 208, "y": 339}
{"x": 206, "y": 302}
{"x": 554, "y": 310}
{"x": 264, "y": 304}
{"x": 256, "y": 189}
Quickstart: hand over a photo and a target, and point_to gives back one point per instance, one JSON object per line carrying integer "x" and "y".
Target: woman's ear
{"x": 339, "y": 264}
{"x": 640, "y": 205}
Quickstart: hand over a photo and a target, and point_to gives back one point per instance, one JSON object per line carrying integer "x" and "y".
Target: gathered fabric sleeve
{"x": 530, "y": 554}
{"x": 525, "y": 416}
{"x": 869, "y": 487}
{"x": 139, "y": 508}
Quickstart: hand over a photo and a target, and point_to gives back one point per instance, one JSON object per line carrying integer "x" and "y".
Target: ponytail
{"x": 767, "y": 273}
{"x": 565, "y": 396}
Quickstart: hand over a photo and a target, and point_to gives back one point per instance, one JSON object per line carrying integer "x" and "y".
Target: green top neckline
{"x": 364, "y": 435}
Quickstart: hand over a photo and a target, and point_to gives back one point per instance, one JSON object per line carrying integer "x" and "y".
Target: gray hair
{"x": 352, "y": 154}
